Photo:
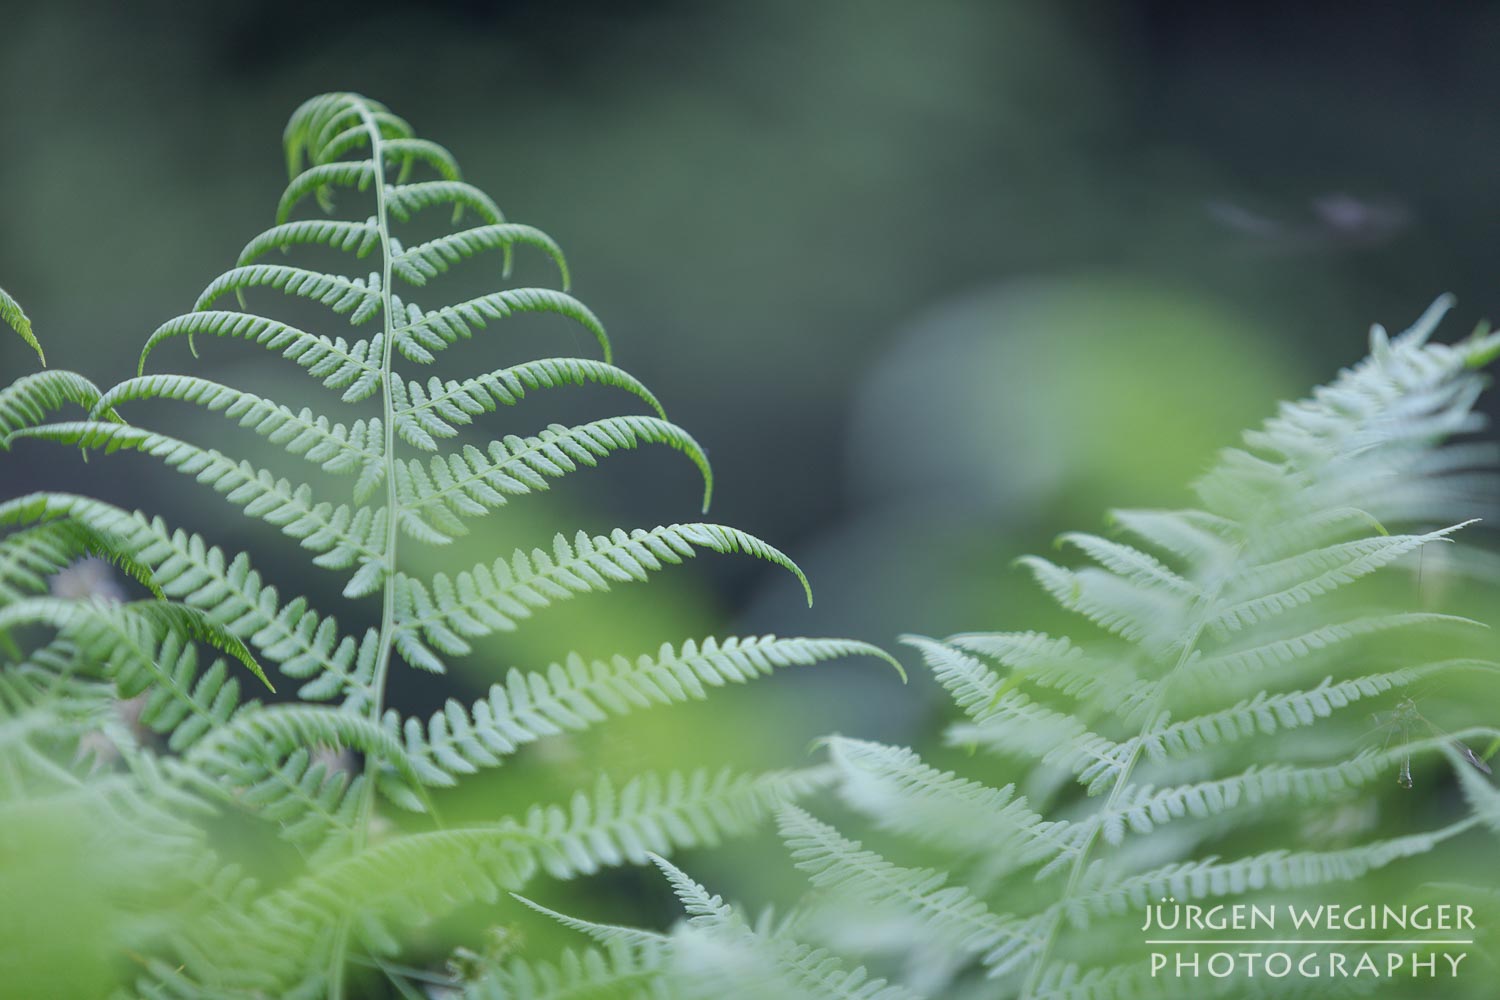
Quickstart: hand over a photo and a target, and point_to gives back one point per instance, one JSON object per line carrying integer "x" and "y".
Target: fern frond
{"x": 420, "y": 263}
{"x": 1195, "y": 536}
{"x": 424, "y": 333}
{"x": 27, "y": 401}
{"x": 973, "y": 686}
{"x": 341, "y": 536}
{"x": 359, "y": 238}
{"x": 185, "y": 702}
{"x": 493, "y": 598}
{"x": 408, "y": 879}
{"x": 1214, "y": 628}
{"x": 1019, "y": 726}
{"x": 415, "y": 877}
{"x": 1240, "y": 662}
{"x": 317, "y": 180}
{"x": 1480, "y": 794}
{"x": 1149, "y": 616}
{"x": 359, "y": 298}
{"x": 575, "y": 694}
{"x": 611, "y": 972}
{"x": 437, "y": 410}
{"x": 901, "y": 793}
{"x": 314, "y": 805}
{"x": 1016, "y": 724}
{"x": 406, "y": 200}
{"x": 1042, "y": 660}
{"x": 29, "y": 558}
{"x": 720, "y": 954}
{"x": 227, "y": 590}
{"x": 336, "y": 448}
{"x": 337, "y": 363}
{"x": 1128, "y": 562}
{"x": 472, "y": 483}
{"x": 411, "y": 151}
{"x": 655, "y": 815}
{"x": 1143, "y": 808}
{"x": 120, "y": 634}
{"x": 329, "y": 125}
{"x": 13, "y": 316}
{"x": 842, "y": 866}
{"x": 315, "y": 773}
{"x": 1271, "y": 713}
{"x": 277, "y": 730}
{"x": 1291, "y": 582}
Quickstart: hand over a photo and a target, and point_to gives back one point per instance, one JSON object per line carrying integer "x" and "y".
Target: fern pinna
{"x": 1218, "y": 637}
{"x": 298, "y": 938}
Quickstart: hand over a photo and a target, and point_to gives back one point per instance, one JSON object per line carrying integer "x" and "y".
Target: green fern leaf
{"x": 1219, "y": 636}
{"x": 401, "y": 473}
{"x": 13, "y": 316}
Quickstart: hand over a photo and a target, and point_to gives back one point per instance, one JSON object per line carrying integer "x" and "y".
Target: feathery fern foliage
{"x": 1214, "y": 636}
{"x": 391, "y": 441}
{"x": 13, "y": 316}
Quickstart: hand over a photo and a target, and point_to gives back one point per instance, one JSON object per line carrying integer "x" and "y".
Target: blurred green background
{"x": 930, "y": 281}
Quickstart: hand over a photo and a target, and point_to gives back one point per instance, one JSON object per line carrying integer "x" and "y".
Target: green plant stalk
{"x": 337, "y": 958}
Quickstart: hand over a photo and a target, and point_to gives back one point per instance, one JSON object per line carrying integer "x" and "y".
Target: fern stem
{"x": 376, "y": 690}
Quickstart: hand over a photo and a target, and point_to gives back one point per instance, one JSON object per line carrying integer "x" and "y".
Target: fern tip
{"x": 870, "y": 649}
{"x": 820, "y": 742}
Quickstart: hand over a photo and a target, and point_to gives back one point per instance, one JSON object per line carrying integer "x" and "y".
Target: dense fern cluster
{"x": 169, "y": 689}
{"x": 143, "y": 742}
{"x": 1215, "y": 635}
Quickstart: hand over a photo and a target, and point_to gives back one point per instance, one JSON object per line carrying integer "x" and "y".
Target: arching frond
{"x": 576, "y": 694}
{"x": 337, "y": 363}
{"x": 337, "y": 448}
{"x": 422, "y": 334}
{"x": 13, "y": 316}
{"x": 319, "y": 179}
{"x": 427, "y": 260}
{"x": 438, "y": 409}
{"x": 472, "y": 483}
{"x": 27, "y": 401}
{"x": 227, "y": 590}
{"x": 496, "y": 597}
{"x": 1289, "y": 583}
{"x": 117, "y": 633}
{"x": 341, "y": 536}
{"x": 1238, "y": 662}
{"x": 359, "y": 238}
{"x": 359, "y": 298}
{"x": 656, "y": 815}
{"x": 406, "y": 200}
{"x": 132, "y": 681}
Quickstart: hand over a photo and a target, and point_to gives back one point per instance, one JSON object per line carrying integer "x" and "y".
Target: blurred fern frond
{"x": 1191, "y": 741}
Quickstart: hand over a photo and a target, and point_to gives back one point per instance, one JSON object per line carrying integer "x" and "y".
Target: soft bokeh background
{"x": 930, "y": 281}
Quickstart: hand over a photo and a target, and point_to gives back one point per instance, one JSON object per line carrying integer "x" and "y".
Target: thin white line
{"x": 1312, "y": 941}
